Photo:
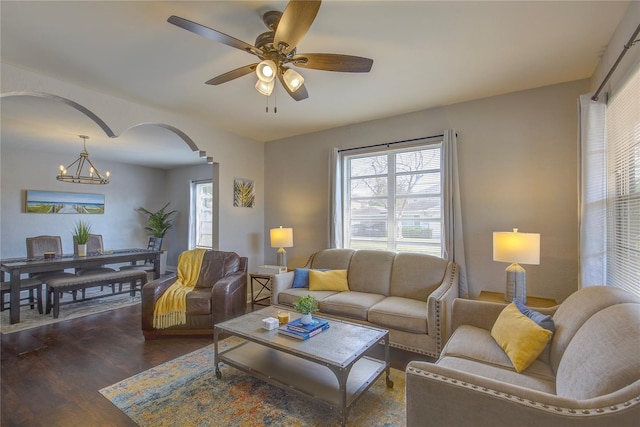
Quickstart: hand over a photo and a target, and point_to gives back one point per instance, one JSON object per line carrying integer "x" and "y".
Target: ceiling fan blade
{"x": 299, "y": 94}
{"x": 212, "y": 34}
{"x": 233, "y": 74}
{"x": 333, "y": 62}
{"x": 294, "y": 23}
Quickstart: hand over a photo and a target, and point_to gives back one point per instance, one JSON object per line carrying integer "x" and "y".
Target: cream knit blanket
{"x": 171, "y": 308}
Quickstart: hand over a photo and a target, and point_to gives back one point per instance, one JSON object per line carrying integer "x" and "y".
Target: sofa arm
{"x": 279, "y": 283}
{"x": 457, "y": 398}
{"x": 229, "y": 297}
{"x": 439, "y": 306}
{"x": 151, "y": 293}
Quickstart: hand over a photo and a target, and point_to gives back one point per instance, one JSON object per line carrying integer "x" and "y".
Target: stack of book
{"x": 297, "y": 330}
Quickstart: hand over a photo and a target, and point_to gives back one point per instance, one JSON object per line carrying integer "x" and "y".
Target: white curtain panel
{"x": 335, "y": 200}
{"x": 592, "y": 169}
{"x": 453, "y": 242}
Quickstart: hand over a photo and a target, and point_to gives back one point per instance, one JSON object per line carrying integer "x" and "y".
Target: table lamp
{"x": 282, "y": 238}
{"x": 516, "y": 248}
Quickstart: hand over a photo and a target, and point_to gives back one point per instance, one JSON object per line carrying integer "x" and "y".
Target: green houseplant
{"x": 158, "y": 222}
{"x": 81, "y": 231}
{"x": 306, "y": 305}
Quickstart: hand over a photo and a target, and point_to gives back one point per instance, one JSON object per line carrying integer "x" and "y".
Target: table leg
{"x": 387, "y": 362}
{"x": 14, "y": 304}
{"x": 215, "y": 352}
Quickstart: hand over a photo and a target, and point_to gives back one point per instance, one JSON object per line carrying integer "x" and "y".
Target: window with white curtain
{"x": 201, "y": 218}
{"x": 623, "y": 186}
{"x": 393, "y": 198}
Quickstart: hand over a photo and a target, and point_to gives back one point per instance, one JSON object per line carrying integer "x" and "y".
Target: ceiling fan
{"x": 276, "y": 50}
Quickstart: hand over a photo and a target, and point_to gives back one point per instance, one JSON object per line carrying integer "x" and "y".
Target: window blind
{"x": 623, "y": 186}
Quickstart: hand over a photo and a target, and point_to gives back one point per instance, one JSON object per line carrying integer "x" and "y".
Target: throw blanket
{"x": 171, "y": 308}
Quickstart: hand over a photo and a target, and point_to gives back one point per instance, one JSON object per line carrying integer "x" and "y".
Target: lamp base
{"x": 282, "y": 257}
{"x": 516, "y": 283}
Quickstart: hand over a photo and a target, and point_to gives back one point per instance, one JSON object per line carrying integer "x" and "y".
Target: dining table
{"x": 16, "y": 267}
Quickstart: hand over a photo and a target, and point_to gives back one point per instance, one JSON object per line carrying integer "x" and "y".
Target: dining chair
{"x": 33, "y": 286}
{"x": 37, "y": 246}
{"x": 155, "y": 244}
{"x": 94, "y": 245}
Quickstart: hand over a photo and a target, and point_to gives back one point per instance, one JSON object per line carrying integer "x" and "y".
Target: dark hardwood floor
{"x": 51, "y": 375}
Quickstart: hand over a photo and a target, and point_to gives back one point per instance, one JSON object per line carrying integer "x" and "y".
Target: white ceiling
{"x": 426, "y": 54}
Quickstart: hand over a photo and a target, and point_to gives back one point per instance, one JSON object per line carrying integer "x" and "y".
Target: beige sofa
{"x": 409, "y": 294}
{"x": 589, "y": 375}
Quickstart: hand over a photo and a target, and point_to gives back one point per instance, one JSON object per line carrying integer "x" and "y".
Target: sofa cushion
{"x": 351, "y": 304}
{"x": 474, "y": 343}
{"x": 301, "y": 277}
{"x": 199, "y": 301}
{"x": 335, "y": 259}
{"x": 370, "y": 271}
{"x": 520, "y": 337}
{"x": 611, "y": 338}
{"x": 416, "y": 275}
{"x": 576, "y": 309}
{"x": 287, "y": 297}
{"x": 330, "y": 280}
{"x": 403, "y": 314}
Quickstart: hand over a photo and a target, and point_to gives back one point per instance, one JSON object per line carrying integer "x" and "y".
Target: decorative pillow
{"x": 301, "y": 277}
{"x": 543, "y": 320}
{"x": 520, "y": 337}
{"x": 331, "y": 280}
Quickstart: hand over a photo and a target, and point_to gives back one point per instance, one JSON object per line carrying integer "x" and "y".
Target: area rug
{"x": 186, "y": 392}
{"x": 105, "y": 301}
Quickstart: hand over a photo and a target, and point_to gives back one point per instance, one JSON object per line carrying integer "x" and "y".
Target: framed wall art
{"x": 59, "y": 202}
{"x": 243, "y": 193}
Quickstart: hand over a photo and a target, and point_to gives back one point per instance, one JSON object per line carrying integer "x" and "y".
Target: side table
{"x": 531, "y": 301}
{"x": 264, "y": 289}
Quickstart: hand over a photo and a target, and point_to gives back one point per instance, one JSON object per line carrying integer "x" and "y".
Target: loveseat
{"x": 219, "y": 294}
{"x": 588, "y": 375}
{"x": 408, "y": 294}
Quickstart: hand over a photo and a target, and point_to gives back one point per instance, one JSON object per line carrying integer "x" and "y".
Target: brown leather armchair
{"x": 219, "y": 294}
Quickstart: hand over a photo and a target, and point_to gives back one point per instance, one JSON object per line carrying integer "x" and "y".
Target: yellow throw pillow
{"x": 520, "y": 337}
{"x": 330, "y": 280}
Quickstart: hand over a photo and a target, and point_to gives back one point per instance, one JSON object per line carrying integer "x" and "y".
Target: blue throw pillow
{"x": 543, "y": 320}
{"x": 301, "y": 277}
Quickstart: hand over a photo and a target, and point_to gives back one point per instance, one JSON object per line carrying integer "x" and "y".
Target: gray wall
{"x": 518, "y": 168}
{"x": 121, "y": 225}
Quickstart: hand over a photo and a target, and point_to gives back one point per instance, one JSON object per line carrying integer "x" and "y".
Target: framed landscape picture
{"x": 58, "y": 202}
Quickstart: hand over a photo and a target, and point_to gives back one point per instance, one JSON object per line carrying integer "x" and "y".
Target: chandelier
{"x": 92, "y": 177}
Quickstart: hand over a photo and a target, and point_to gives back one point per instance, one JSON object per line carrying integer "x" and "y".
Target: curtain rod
{"x": 387, "y": 144}
{"x": 631, "y": 42}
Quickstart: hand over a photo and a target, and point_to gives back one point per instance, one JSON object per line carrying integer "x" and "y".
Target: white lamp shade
{"x": 292, "y": 79}
{"x": 266, "y": 70}
{"x": 265, "y": 88}
{"x": 281, "y": 237}
{"x": 522, "y": 248}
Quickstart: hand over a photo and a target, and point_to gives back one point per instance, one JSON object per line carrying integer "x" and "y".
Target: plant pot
{"x": 163, "y": 262}
{"x": 82, "y": 250}
{"x": 306, "y": 319}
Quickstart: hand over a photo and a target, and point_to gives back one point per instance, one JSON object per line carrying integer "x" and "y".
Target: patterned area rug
{"x": 31, "y": 318}
{"x": 186, "y": 392}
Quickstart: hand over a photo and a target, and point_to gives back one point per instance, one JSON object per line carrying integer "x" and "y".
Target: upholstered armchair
{"x": 219, "y": 294}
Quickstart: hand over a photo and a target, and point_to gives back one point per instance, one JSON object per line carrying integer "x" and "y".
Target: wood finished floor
{"x": 51, "y": 375}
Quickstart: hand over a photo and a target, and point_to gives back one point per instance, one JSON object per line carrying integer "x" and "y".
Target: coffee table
{"x": 331, "y": 367}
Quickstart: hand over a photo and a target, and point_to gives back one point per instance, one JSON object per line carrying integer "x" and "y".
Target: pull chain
{"x": 275, "y": 101}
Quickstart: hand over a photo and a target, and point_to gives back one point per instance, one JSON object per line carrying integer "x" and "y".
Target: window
{"x": 393, "y": 199}
{"x": 201, "y": 218}
{"x": 623, "y": 186}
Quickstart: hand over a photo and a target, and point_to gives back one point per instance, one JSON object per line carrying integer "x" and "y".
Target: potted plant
{"x": 158, "y": 223}
{"x": 81, "y": 233}
{"x": 306, "y": 305}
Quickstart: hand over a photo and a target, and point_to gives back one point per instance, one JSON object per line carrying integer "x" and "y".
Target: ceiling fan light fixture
{"x": 293, "y": 79}
{"x": 265, "y": 88}
{"x": 266, "y": 70}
